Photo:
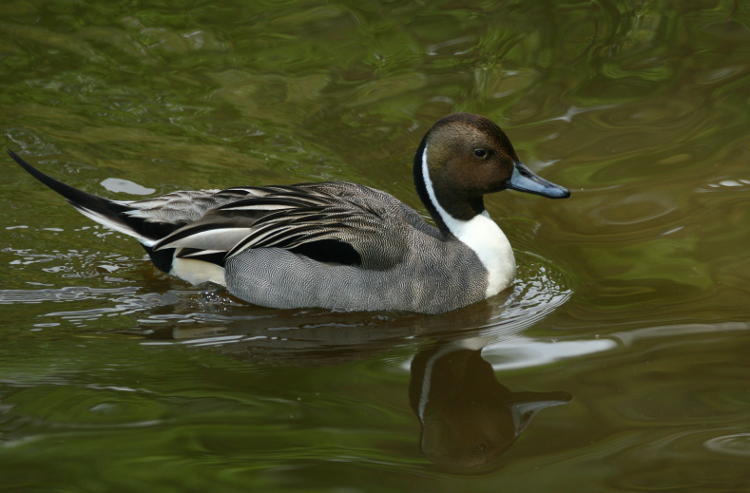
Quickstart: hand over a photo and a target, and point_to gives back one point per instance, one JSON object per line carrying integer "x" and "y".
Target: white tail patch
{"x": 197, "y": 271}
{"x": 114, "y": 225}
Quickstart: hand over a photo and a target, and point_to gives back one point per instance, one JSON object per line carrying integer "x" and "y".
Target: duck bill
{"x": 525, "y": 180}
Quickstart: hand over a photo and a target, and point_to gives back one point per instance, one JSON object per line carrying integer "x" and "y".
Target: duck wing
{"x": 331, "y": 222}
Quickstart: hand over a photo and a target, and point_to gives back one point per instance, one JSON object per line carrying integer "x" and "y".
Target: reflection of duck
{"x": 341, "y": 245}
{"x": 468, "y": 419}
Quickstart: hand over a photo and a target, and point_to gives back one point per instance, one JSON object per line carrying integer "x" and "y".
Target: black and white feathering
{"x": 334, "y": 222}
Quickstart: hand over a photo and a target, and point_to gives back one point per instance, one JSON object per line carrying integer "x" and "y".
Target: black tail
{"x": 109, "y": 213}
{"x": 79, "y": 199}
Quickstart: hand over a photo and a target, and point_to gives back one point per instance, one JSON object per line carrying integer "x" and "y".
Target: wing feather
{"x": 293, "y": 216}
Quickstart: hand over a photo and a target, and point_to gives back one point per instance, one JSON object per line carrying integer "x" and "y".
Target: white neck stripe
{"x": 481, "y": 234}
{"x": 450, "y": 221}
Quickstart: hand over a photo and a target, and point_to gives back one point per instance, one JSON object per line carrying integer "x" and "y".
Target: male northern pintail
{"x": 341, "y": 245}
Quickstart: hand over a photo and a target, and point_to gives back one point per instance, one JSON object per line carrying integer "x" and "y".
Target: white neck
{"x": 482, "y": 235}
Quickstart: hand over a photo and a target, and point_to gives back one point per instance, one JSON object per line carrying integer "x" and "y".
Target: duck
{"x": 339, "y": 245}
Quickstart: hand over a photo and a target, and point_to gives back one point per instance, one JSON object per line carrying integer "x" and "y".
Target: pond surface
{"x": 617, "y": 362}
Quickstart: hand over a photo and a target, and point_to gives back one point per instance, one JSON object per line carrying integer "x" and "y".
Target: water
{"x": 618, "y": 361}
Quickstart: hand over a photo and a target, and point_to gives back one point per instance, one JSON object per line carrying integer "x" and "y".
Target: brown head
{"x": 465, "y": 156}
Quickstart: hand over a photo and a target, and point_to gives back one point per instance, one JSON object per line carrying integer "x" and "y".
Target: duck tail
{"x": 109, "y": 213}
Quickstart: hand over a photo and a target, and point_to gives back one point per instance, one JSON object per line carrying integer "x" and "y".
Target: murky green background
{"x": 619, "y": 362}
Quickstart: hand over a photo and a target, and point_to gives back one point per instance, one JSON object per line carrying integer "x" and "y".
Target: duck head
{"x": 465, "y": 156}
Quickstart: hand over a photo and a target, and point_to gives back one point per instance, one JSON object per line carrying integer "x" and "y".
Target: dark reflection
{"x": 468, "y": 418}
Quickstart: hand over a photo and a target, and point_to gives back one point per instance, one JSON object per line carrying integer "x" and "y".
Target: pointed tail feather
{"x": 104, "y": 211}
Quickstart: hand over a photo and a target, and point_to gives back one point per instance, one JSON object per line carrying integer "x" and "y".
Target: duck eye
{"x": 481, "y": 153}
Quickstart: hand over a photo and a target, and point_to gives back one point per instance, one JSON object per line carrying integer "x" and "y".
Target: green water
{"x": 617, "y": 362}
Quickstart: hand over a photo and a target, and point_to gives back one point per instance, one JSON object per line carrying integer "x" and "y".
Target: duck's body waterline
{"x": 341, "y": 245}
